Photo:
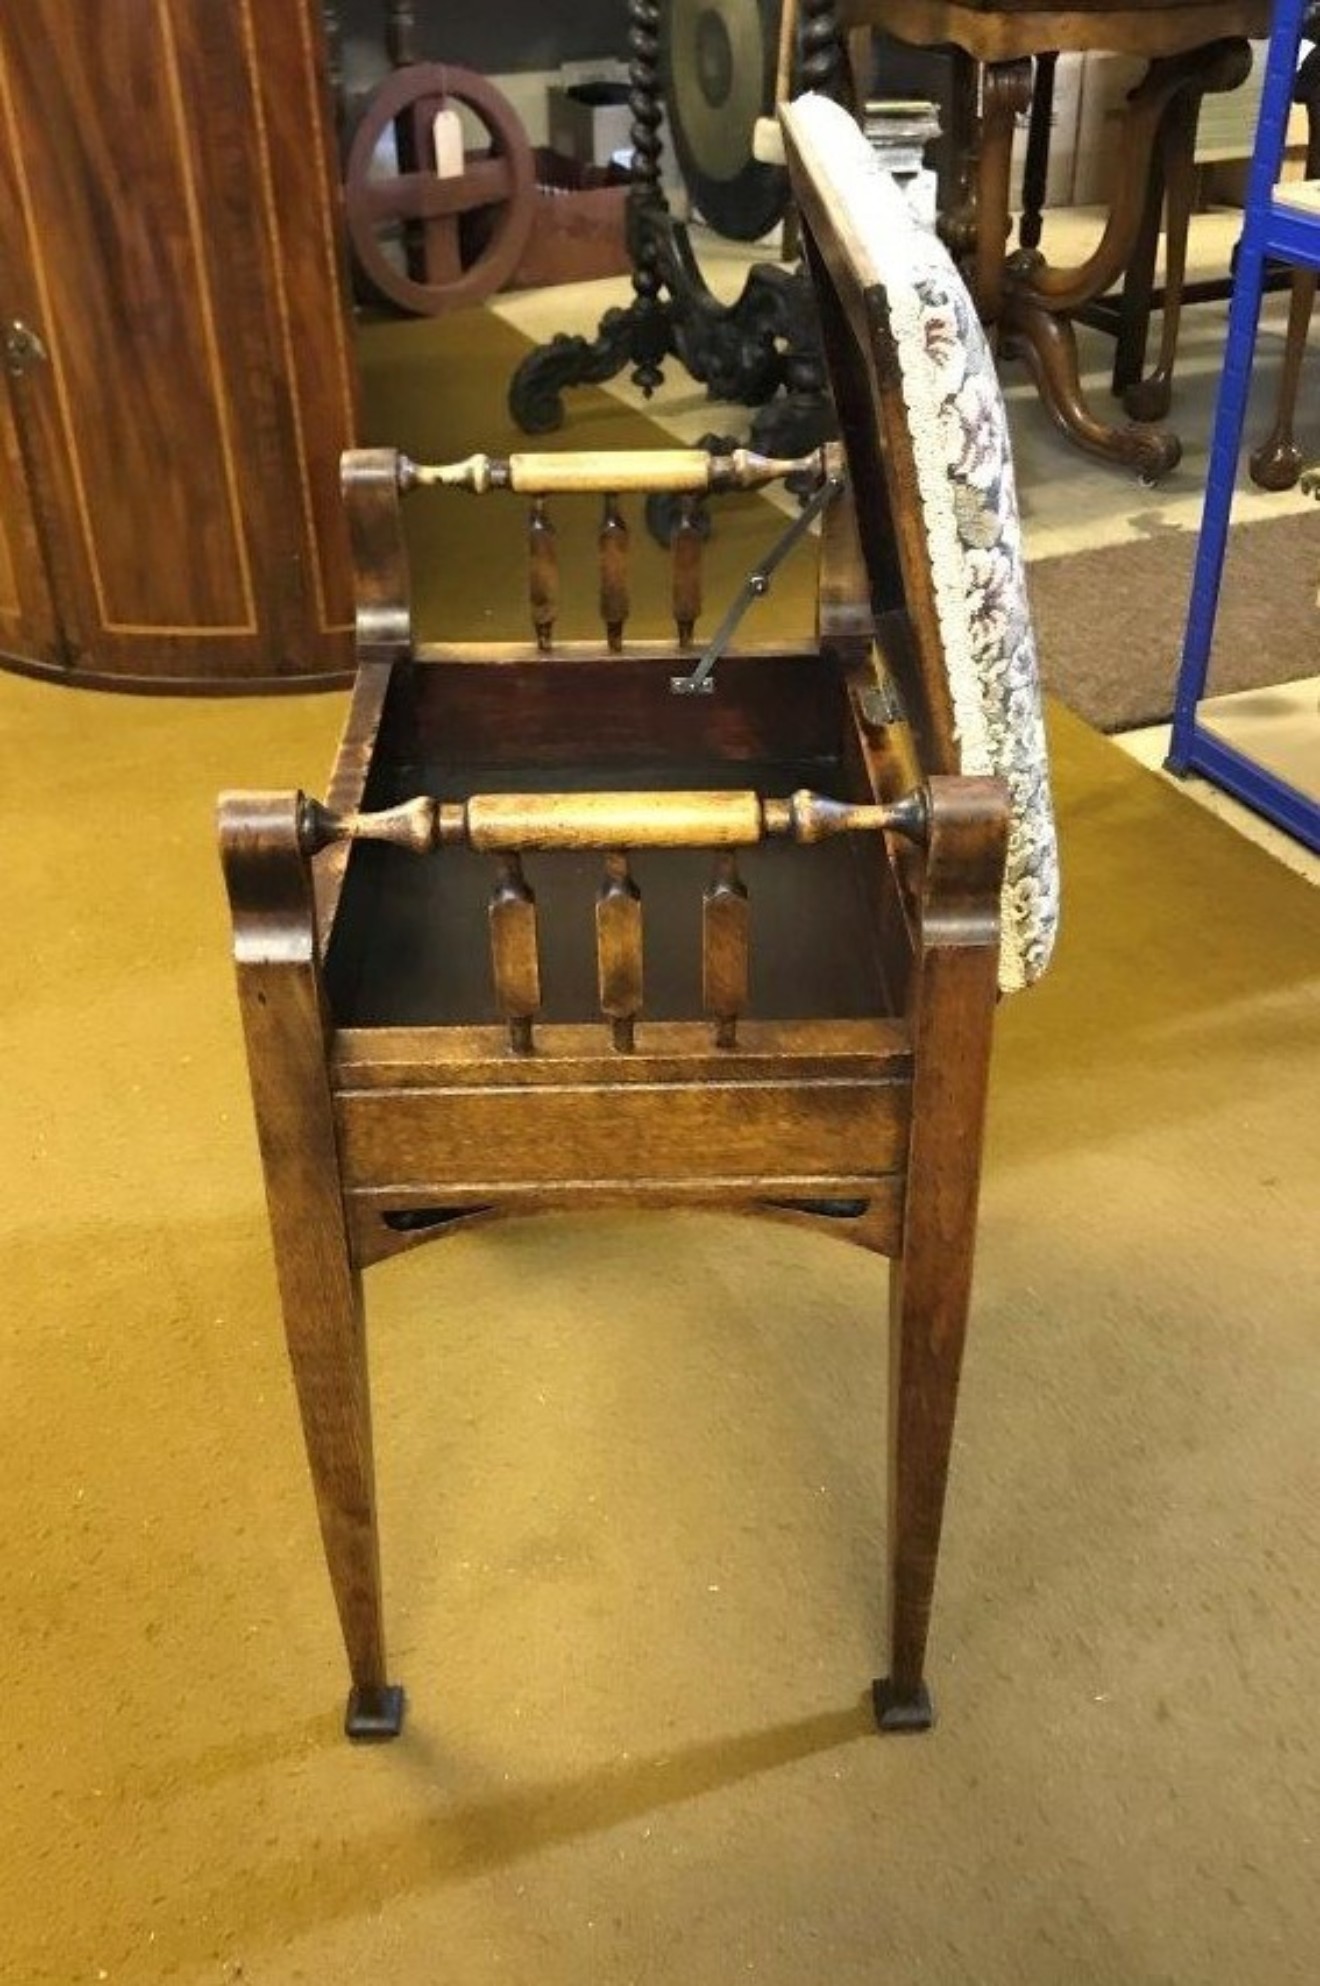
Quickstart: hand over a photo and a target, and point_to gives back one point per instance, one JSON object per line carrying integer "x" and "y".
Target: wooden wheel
{"x": 499, "y": 183}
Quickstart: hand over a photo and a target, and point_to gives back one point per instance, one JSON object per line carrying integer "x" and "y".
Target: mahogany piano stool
{"x": 568, "y": 932}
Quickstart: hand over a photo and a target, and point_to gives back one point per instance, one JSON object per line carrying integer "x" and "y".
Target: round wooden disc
{"x": 718, "y": 60}
{"x": 503, "y": 183}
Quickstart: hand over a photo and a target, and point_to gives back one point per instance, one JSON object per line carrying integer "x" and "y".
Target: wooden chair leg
{"x": 321, "y": 1297}
{"x": 320, "y": 1288}
{"x": 1149, "y": 399}
{"x": 930, "y": 1280}
{"x": 1277, "y": 462}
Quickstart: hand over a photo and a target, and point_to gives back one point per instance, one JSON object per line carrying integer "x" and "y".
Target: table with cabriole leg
{"x": 1192, "y": 49}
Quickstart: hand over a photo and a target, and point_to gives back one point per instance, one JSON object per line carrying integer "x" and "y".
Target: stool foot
{"x": 374, "y": 1715}
{"x": 910, "y": 1711}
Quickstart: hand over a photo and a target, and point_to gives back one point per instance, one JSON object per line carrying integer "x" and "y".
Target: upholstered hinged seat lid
{"x": 940, "y": 405}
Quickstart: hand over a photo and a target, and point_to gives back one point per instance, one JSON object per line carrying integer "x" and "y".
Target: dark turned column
{"x": 1035, "y": 170}
{"x": 646, "y": 200}
{"x": 958, "y": 156}
{"x": 820, "y": 55}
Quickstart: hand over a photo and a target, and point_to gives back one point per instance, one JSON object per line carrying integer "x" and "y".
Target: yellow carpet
{"x": 632, "y": 1481}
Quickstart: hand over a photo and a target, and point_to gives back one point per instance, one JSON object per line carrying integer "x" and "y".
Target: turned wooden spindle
{"x": 619, "y": 949}
{"x": 613, "y": 573}
{"x": 694, "y": 471}
{"x": 725, "y": 929}
{"x": 516, "y": 823}
{"x": 501, "y": 822}
{"x": 686, "y": 554}
{"x": 808, "y": 817}
{"x": 542, "y": 574}
{"x": 515, "y": 959}
{"x": 412, "y": 825}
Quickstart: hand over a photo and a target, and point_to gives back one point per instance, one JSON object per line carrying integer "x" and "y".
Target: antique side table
{"x": 1192, "y": 48}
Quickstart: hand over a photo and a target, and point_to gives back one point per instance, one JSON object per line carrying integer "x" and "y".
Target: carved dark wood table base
{"x": 1034, "y": 305}
{"x": 1038, "y": 303}
{"x": 763, "y": 351}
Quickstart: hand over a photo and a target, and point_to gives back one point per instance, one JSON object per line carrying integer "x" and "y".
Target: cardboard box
{"x": 1106, "y": 81}
{"x": 579, "y": 233}
{"x": 1225, "y": 131}
{"x": 1226, "y": 128}
{"x": 588, "y": 119}
{"x": 1063, "y": 138}
{"x": 1224, "y": 182}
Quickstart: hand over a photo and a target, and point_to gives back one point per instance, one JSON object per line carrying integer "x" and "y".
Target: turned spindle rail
{"x": 511, "y": 825}
{"x": 690, "y": 474}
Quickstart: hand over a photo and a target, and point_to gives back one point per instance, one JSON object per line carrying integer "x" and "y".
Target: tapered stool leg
{"x": 320, "y": 1289}
{"x": 930, "y": 1280}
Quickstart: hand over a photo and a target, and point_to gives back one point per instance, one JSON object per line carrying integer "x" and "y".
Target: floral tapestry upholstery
{"x": 959, "y": 438}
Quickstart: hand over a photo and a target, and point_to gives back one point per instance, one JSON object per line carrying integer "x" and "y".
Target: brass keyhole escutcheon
{"x": 23, "y": 347}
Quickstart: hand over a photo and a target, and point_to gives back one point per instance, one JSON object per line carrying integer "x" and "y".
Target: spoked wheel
{"x": 465, "y": 230}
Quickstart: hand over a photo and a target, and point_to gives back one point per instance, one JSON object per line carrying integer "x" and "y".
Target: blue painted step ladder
{"x": 1286, "y": 233}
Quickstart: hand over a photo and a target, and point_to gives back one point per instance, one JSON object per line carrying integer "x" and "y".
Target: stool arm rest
{"x": 267, "y": 877}
{"x": 963, "y": 870}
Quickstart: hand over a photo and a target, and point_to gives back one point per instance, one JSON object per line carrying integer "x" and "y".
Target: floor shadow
{"x": 489, "y": 1834}
{"x": 318, "y": 1881}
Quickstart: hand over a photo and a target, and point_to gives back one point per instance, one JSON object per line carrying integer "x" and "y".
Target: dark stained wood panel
{"x": 171, "y": 231}
{"x": 699, "y": 1130}
{"x": 27, "y": 619}
{"x": 300, "y": 191}
{"x": 113, "y": 208}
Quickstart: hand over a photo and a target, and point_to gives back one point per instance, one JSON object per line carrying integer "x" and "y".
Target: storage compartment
{"x": 774, "y": 725}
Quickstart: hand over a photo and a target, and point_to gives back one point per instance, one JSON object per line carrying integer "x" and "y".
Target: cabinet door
{"x": 28, "y": 628}
{"x": 172, "y": 240}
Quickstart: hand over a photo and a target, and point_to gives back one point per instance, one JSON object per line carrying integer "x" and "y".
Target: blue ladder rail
{"x": 1286, "y": 234}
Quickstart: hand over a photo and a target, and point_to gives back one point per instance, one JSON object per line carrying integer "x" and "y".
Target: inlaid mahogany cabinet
{"x": 569, "y": 931}
{"x": 179, "y": 379}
